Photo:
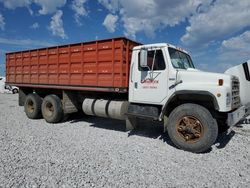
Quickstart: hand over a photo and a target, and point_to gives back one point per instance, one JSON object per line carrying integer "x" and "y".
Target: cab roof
{"x": 159, "y": 45}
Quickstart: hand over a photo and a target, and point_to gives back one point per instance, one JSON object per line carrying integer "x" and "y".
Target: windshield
{"x": 179, "y": 59}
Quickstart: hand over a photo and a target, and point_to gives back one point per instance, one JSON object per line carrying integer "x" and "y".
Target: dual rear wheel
{"x": 50, "y": 108}
{"x": 32, "y": 106}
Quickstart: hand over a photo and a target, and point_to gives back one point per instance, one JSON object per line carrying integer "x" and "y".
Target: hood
{"x": 196, "y": 76}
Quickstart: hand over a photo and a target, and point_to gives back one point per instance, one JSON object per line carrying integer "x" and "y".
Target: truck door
{"x": 150, "y": 84}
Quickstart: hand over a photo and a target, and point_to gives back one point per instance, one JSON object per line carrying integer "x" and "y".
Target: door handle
{"x": 136, "y": 85}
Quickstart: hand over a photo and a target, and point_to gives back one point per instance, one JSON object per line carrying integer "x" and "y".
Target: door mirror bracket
{"x": 144, "y": 58}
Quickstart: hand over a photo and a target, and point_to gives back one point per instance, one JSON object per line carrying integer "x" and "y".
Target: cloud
{"x": 24, "y": 42}
{"x": 149, "y": 16}
{"x": 239, "y": 43}
{"x": 47, "y": 6}
{"x": 56, "y": 25}
{"x": 110, "y": 22}
{"x": 35, "y": 25}
{"x": 2, "y": 22}
{"x": 230, "y": 52}
{"x": 13, "y": 4}
{"x": 219, "y": 20}
{"x": 134, "y": 25}
{"x": 79, "y": 9}
{"x": 236, "y": 49}
{"x": 111, "y": 5}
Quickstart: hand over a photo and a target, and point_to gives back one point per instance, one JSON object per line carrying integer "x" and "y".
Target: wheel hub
{"x": 49, "y": 109}
{"x": 190, "y": 128}
{"x": 31, "y": 107}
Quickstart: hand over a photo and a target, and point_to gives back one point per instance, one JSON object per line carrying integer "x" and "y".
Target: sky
{"x": 216, "y": 33}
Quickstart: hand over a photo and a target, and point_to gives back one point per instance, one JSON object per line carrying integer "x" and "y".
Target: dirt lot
{"x": 95, "y": 152}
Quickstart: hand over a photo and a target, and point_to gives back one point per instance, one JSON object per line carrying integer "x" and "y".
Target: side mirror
{"x": 143, "y": 58}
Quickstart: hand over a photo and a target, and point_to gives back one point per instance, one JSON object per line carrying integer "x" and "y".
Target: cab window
{"x": 158, "y": 64}
{"x": 179, "y": 59}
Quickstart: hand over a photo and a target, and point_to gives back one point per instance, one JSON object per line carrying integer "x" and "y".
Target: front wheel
{"x": 192, "y": 128}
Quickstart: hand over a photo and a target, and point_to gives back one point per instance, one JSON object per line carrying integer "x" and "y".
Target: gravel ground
{"x": 96, "y": 152}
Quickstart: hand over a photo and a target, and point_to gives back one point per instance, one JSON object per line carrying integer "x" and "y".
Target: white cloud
{"x": 24, "y": 42}
{"x": 2, "y": 22}
{"x": 13, "y": 4}
{"x": 230, "y": 52}
{"x": 219, "y": 20}
{"x": 35, "y": 25}
{"x": 134, "y": 25}
{"x": 56, "y": 25}
{"x": 49, "y": 6}
{"x": 240, "y": 42}
{"x": 151, "y": 15}
{"x": 110, "y": 22}
{"x": 236, "y": 49}
{"x": 111, "y": 5}
{"x": 79, "y": 9}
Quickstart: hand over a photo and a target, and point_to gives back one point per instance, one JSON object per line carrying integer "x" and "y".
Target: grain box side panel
{"x": 89, "y": 64}
{"x": 103, "y": 63}
{"x": 52, "y": 69}
{"x": 19, "y": 67}
{"x": 63, "y": 65}
{"x": 43, "y": 66}
{"x": 34, "y": 66}
{"x": 76, "y": 64}
{"x": 10, "y": 67}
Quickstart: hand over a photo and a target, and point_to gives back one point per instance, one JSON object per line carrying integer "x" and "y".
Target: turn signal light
{"x": 220, "y": 82}
{"x": 218, "y": 95}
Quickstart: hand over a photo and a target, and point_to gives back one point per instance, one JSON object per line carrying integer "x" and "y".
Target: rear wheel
{"x": 32, "y": 106}
{"x": 52, "y": 109}
{"x": 192, "y": 128}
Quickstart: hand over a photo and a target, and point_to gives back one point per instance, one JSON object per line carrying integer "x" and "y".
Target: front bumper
{"x": 238, "y": 115}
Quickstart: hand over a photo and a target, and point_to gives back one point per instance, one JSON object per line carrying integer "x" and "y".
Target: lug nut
{"x": 197, "y": 135}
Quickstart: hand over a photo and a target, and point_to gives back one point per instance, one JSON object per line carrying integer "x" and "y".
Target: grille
{"x": 235, "y": 93}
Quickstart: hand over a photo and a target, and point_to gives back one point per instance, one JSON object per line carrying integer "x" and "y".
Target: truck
{"x": 242, "y": 71}
{"x": 7, "y": 88}
{"x": 123, "y": 79}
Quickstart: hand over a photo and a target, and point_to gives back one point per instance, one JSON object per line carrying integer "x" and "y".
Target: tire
{"x": 192, "y": 128}
{"x": 14, "y": 91}
{"x": 52, "y": 109}
{"x": 32, "y": 106}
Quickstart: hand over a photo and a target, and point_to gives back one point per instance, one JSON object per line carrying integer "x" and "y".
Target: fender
{"x": 189, "y": 95}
